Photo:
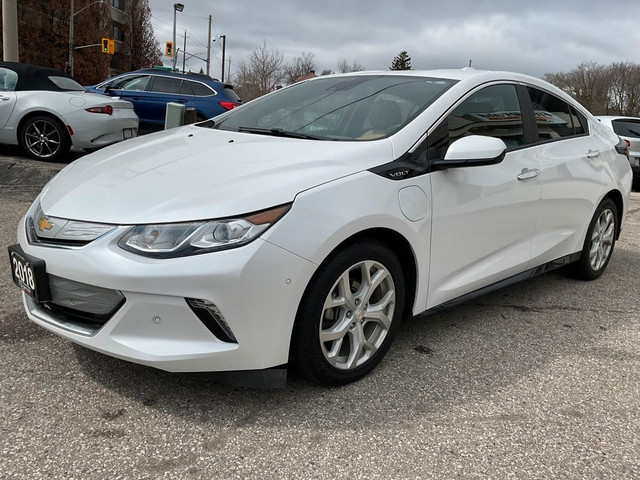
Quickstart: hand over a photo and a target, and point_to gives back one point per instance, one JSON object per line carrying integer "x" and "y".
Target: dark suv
{"x": 151, "y": 89}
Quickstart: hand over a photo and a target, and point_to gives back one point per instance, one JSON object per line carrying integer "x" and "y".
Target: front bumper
{"x": 257, "y": 288}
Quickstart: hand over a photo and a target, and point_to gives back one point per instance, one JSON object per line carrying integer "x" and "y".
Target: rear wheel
{"x": 349, "y": 315}
{"x": 43, "y": 137}
{"x": 599, "y": 242}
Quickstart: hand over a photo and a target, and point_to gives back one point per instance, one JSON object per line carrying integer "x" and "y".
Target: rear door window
{"x": 166, "y": 85}
{"x": 555, "y": 118}
{"x": 627, "y": 127}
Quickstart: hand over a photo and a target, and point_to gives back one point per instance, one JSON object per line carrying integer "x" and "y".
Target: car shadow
{"x": 466, "y": 353}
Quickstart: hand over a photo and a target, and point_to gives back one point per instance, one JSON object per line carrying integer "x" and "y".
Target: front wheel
{"x": 349, "y": 315}
{"x": 599, "y": 242}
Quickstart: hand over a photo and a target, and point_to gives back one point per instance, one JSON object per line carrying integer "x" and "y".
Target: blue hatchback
{"x": 151, "y": 89}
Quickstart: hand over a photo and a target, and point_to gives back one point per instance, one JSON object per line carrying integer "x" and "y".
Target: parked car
{"x": 46, "y": 112}
{"x": 151, "y": 89}
{"x": 628, "y": 128}
{"x": 303, "y": 226}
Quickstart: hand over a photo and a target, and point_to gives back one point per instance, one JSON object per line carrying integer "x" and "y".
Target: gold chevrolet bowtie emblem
{"x": 44, "y": 224}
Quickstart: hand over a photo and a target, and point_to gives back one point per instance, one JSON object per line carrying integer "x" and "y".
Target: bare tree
{"x": 344, "y": 66}
{"x": 300, "y": 67}
{"x": 587, "y": 84}
{"x": 624, "y": 88}
{"x": 142, "y": 49}
{"x": 263, "y": 72}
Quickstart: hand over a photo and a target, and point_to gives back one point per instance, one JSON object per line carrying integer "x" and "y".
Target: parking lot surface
{"x": 538, "y": 380}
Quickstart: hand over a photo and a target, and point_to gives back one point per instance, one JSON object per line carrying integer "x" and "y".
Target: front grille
{"x": 60, "y": 232}
{"x": 81, "y": 304}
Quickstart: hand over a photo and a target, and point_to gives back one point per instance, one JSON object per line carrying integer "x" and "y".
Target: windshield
{"x": 362, "y": 107}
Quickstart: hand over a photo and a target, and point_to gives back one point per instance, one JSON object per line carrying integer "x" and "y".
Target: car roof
{"x": 191, "y": 75}
{"x": 616, "y": 117}
{"x": 33, "y": 77}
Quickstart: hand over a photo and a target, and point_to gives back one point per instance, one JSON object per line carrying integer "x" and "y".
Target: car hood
{"x": 195, "y": 173}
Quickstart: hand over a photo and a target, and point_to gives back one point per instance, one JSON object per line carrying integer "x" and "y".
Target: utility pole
{"x": 209, "y": 46}
{"x": 184, "y": 52}
{"x": 10, "y": 30}
{"x": 224, "y": 41}
{"x": 71, "y": 15}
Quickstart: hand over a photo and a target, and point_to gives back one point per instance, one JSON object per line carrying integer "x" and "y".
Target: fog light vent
{"x": 210, "y": 315}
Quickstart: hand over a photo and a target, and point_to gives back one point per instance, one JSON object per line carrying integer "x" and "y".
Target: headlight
{"x": 182, "y": 239}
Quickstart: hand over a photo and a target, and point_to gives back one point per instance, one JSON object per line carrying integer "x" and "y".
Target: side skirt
{"x": 533, "y": 272}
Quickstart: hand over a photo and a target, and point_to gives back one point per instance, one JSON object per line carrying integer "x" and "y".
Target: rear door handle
{"x": 4, "y": 99}
{"x": 528, "y": 173}
{"x": 593, "y": 153}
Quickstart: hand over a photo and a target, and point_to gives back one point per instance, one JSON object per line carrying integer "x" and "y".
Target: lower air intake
{"x": 210, "y": 316}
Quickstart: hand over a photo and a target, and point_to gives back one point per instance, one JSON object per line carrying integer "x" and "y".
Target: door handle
{"x": 593, "y": 153}
{"x": 4, "y": 99}
{"x": 528, "y": 173}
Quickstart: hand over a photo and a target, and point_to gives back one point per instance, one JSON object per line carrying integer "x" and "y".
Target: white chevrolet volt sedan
{"x": 301, "y": 228}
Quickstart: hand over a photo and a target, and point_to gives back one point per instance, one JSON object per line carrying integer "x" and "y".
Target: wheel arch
{"x": 36, "y": 113}
{"x": 401, "y": 247}
{"x": 617, "y": 199}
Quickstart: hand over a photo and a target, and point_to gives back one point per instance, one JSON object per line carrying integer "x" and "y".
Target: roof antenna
{"x": 470, "y": 63}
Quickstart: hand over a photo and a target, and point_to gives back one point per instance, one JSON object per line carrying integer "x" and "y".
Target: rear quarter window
{"x": 201, "y": 90}
{"x": 231, "y": 95}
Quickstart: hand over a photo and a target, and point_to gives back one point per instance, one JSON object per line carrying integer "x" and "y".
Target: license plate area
{"x": 128, "y": 133}
{"x": 29, "y": 274}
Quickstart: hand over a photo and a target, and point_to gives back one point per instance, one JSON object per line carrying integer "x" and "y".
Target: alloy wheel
{"x": 42, "y": 138}
{"x": 357, "y": 315}
{"x": 602, "y": 239}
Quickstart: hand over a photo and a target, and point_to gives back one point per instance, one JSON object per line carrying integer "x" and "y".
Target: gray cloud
{"x": 532, "y": 37}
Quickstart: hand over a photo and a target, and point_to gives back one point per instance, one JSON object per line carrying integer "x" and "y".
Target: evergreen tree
{"x": 402, "y": 61}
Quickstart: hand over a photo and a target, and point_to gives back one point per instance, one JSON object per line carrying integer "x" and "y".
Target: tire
{"x": 339, "y": 338}
{"x": 599, "y": 242}
{"x": 43, "y": 137}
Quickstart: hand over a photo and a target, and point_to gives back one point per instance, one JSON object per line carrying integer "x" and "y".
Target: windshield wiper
{"x": 278, "y": 132}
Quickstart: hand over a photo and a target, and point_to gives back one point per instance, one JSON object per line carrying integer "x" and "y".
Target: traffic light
{"x": 168, "y": 49}
{"x": 108, "y": 46}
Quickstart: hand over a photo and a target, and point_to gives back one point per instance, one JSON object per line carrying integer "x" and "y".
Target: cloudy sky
{"x": 527, "y": 36}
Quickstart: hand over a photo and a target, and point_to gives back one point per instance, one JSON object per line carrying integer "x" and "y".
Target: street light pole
{"x": 224, "y": 42}
{"x": 177, "y": 7}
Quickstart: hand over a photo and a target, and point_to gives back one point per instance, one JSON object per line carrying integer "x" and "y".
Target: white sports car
{"x": 302, "y": 227}
{"x": 46, "y": 113}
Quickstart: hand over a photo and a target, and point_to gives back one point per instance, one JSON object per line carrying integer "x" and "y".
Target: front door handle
{"x": 593, "y": 153}
{"x": 528, "y": 173}
{"x": 4, "y": 99}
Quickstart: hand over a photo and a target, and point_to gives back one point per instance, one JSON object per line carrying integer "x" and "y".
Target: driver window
{"x": 493, "y": 111}
{"x": 137, "y": 83}
{"x": 8, "y": 80}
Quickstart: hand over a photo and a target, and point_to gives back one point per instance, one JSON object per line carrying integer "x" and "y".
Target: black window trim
{"x": 571, "y": 106}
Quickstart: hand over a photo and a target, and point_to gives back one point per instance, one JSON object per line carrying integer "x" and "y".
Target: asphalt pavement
{"x": 538, "y": 380}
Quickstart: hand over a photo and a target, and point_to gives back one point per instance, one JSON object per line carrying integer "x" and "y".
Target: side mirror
{"x": 472, "y": 151}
